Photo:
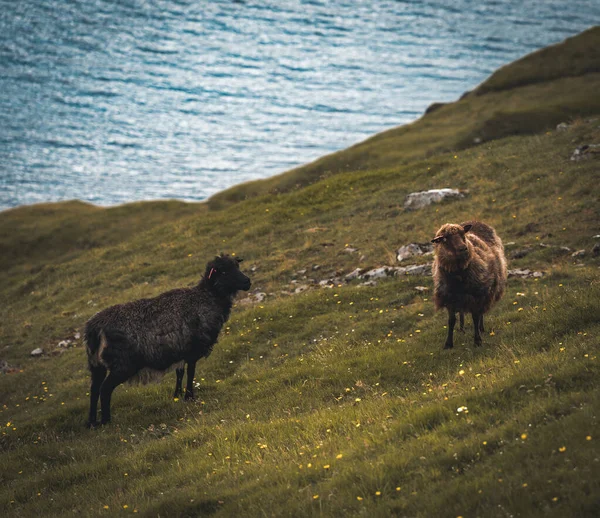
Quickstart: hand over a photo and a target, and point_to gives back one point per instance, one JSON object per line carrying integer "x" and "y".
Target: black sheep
{"x": 179, "y": 326}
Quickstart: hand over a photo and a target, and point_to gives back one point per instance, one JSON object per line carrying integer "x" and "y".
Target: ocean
{"x": 116, "y": 101}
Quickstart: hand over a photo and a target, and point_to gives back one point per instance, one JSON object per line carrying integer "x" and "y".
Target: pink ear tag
{"x": 212, "y": 270}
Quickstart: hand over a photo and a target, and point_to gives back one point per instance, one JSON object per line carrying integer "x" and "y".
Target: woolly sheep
{"x": 178, "y": 326}
{"x": 469, "y": 273}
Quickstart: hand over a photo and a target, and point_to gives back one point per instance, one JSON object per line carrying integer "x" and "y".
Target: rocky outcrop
{"x": 418, "y": 200}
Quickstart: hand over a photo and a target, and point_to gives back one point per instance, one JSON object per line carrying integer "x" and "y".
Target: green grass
{"x": 353, "y": 378}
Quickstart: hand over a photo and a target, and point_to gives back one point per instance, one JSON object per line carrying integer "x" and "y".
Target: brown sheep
{"x": 469, "y": 273}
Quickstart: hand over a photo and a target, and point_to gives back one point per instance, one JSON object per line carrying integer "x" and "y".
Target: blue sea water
{"x": 114, "y": 101}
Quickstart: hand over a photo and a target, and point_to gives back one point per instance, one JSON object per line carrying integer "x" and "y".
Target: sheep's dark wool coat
{"x": 156, "y": 333}
{"x": 181, "y": 325}
{"x": 469, "y": 271}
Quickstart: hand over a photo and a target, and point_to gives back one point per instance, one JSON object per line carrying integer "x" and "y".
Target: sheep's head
{"x": 223, "y": 273}
{"x": 451, "y": 244}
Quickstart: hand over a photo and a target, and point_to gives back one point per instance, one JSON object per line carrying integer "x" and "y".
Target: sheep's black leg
{"x": 112, "y": 381}
{"x": 189, "y": 389}
{"x": 98, "y": 375}
{"x": 178, "y": 384}
{"x": 462, "y": 322}
{"x": 477, "y": 324}
{"x": 481, "y": 328}
{"x": 451, "y": 323}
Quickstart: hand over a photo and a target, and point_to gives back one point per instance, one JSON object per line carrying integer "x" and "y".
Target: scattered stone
{"x": 597, "y": 236}
{"x": 378, "y": 273}
{"x": 254, "y": 298}
{"x": 422, "y": 289}
{"x": 301, "y": 272}
{"x": 352, "y": 275}
{"x": 585, "y": 152}
{"x": 77, "y": 335}
{"x": 316, "y": 267}
{"x": 37, "y": 352}
{"x": 510, "y": 243}
{"x": 7, "y": 368}
{"x": 64, "y": 344}
{"x": 301, "y": 288}
{"x": 565, "y": 249}
{"x": 563, "y": 126}
{"x": 417, "y": 269}
{"x": 418, "y": 200}
{"x": 327, "y": 283}
{"x": 477, "y": 140}
{"x": 524, "y": 274}
{"x": 578, "y": 253}
{"x": 413, "y": 249}
{"x": 350, "y": 250}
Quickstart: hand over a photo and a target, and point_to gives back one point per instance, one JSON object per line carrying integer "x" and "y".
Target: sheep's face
{"x": 451, "y": 240}
{"x": 223, "y": 273}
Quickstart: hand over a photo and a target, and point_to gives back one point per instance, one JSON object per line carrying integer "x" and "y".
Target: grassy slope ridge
{"x": 334, "y": 401}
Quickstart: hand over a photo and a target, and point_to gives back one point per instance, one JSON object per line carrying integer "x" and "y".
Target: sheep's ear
{"x": 437, "y": 239}
{"x": 239, "y": 259}
{"x": 466, "y": 228}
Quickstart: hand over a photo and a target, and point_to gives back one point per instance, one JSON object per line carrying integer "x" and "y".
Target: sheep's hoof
{"x": 92, "y": 424}
{"x": 448, "y": 346}
{"x": 189, "y": 397}
{"x": 462, "y": 329}
{"x": 478, "y": 343}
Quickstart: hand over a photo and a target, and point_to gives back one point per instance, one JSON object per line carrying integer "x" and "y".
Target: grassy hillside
{"x": 335, "y": 401}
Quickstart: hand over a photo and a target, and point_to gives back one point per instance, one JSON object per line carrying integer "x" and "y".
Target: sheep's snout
{"x": 244, "y": 282}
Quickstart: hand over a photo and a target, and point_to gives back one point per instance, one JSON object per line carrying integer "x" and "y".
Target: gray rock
{"x": 352, "y": 275}
{"x": 418, "y": 269}
{"x": 578, "y": 253}
{"x": 253, "y": 298}
{"x": 350, "y": 250}
{"x": 327, "y": 283}
{"x": 316, "y": 267}
{"x": 412, "y": 250}
{"x": 563, "y": 126}
{"x": 418, "y": 200}
{"x": 77, "y": 336}
{"x": 422, "y": 289}
{"x": 585, "y": 152}
{"x": 37, "y": 352}
{"x": 64, "y": 344}
{"x": 524, "y": 274}
{"x": 301, "y": 288}
{"x": 379, "y": 273}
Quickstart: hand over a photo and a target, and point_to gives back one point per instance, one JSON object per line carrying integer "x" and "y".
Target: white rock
{"x": 37, "y": 352}
{"x": 579, "y": 253}
{"x": 418, "y": 200}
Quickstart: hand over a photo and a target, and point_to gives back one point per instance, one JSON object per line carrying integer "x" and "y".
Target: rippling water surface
{"x": 115, "y": 101}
